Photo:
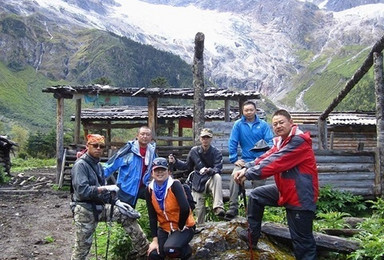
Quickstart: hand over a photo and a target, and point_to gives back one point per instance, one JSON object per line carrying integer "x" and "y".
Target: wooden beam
{"x": 76, "y": 137}
{"x": 227, "y": 107}
{"x": 59, "y": 137}
{"x": 378, "y": 47}
{"x": 152, "y": 115}
{"x": 88, "y": 125}
{"x": 322, "y": 128}
{"x": 198, "y": 84}
{"x": 323, "y": 241}
{"x": 378, "y": 75}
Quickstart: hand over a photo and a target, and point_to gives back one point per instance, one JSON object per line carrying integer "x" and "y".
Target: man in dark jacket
{"x": 205, "y": 163}
{"x": 91, "y": 198}
{"x": 292, "y": 162}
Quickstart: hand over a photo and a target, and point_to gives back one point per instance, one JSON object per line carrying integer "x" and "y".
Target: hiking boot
{"x": 230, "y": 214}
{"x": 219, "y": 212}
{"x": 244, "y": 235}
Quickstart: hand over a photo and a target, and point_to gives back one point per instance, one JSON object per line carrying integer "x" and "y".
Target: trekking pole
{"x": 109, "y": 226}
{"x": 242, "y": 188}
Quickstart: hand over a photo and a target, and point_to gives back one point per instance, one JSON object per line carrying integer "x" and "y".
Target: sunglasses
{"x": 101, "y": 146}
{"x": 160, "y": 163}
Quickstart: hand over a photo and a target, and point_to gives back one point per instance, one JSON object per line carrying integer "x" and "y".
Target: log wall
{"x": 352, "y": 171}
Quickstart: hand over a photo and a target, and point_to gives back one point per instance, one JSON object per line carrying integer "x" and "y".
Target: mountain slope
{"x": 36, "y": 53}
{"x": 297, "y": 53}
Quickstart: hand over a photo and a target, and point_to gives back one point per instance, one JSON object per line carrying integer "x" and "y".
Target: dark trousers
{"x": 173, "y": 245}
{"x": 300, "y": 222}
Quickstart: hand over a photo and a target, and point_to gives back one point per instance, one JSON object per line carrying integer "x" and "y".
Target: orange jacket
{"x": 168, "y": 218}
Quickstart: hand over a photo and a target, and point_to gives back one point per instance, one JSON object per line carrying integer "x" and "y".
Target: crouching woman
{"x": 170, "y": 217}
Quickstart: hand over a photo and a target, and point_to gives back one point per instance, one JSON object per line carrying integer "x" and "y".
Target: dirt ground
{"x": 32, "y": 214}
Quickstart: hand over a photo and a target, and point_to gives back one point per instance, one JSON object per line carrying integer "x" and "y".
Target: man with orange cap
{"x": 92, "y": 198}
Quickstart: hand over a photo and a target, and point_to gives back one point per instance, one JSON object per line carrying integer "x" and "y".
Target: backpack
{"x": 188, "y": 193}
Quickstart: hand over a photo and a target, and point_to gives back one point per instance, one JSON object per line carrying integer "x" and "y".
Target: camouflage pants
{"x": 85, "y": 226}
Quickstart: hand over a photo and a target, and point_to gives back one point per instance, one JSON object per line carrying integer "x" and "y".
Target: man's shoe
{"x": 230, "y": 214}
{"x": 219, "y": 212}
{"x": 244, "y": 235}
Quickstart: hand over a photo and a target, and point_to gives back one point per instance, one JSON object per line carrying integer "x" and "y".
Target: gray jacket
{"x": 198, "y": 159}
{"x": 87, "y": 174}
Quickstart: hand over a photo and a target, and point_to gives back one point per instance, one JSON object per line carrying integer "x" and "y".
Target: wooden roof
{"x": 210, "y": 93}
{"x": 336, "y": 118}
{"x": 132, "y": 113}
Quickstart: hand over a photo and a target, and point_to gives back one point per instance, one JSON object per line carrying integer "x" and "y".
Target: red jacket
{"x": 293, "y": 165}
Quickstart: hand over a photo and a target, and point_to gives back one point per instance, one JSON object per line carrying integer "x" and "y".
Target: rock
{"x": 218, "y": 240}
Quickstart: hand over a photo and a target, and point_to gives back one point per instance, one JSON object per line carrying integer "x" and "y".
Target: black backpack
{"x": 188, "y": 193}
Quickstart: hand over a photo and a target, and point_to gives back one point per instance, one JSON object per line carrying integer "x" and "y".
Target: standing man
{"x": 134, "y": 164}
{"x": 246, "y": 132}
{"x": 205, "y": 163}
{"x": 292, "y": 162}
{"x": 91, "y": 202}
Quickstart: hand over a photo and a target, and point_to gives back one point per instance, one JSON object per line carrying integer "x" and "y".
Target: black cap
{"x": 261, "y": 145}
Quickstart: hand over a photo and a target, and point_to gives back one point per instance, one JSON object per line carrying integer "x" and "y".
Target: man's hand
{"x": 111, "y": 188}
{"x": 127, "y": 210}
{"x": 239, "y": 176}
{"x": 171, "y": 159}
{"x": 203, "y": 170}
{"x": 240, "y": 163}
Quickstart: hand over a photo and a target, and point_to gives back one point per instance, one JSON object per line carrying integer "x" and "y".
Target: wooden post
{"x": 59, "y": 137}
{"x": 241, "y": 104}
{"x": 322, "y": 126}
{"x": 227, "y": 111}
{"x": 378, "y": 75}
{"x": 152, "y": 115}
{"x": 198, "y": 84}
{"x": 77, "y": 121}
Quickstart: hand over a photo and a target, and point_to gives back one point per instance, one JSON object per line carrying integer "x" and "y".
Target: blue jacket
{"x": 130, "y": 164}
{"x": 247, "y": 137}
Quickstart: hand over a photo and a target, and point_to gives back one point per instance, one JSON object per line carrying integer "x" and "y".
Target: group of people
{"x": 141, "y": 174}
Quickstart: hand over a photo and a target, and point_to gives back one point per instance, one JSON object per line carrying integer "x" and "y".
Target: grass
{"x": 20, "y": 165}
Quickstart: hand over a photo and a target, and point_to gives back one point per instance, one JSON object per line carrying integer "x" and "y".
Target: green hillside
{"x": 327, "y": 75}
{"x": 23, "y": 103}
{"x": 33, "y": 57}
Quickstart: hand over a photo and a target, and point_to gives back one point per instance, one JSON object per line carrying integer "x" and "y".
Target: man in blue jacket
{"x": 246, "y": 132}
{"x": 134, "y": 164}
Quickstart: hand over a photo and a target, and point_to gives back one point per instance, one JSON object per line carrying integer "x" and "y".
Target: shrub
{"x": 372, "y": 236}
{"x": 333, "y": 200}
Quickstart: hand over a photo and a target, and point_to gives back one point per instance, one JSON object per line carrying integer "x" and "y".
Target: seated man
{"x": 205, "y": 163}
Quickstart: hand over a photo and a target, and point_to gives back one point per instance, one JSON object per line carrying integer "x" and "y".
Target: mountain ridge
{"x": 279, "y": 48}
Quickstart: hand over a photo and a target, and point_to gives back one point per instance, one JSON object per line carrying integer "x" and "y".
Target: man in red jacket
{"x": 291, "y": 161}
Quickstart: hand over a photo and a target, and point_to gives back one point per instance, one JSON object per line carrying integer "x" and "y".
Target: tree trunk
{"x": 198, "y": 84}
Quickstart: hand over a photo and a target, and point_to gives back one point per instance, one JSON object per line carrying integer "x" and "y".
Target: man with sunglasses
{"x": 205, "y": 163}
{"x": 92, "y": 201}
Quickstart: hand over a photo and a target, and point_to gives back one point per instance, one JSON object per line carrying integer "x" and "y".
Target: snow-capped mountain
{"x": 248, "y": 44}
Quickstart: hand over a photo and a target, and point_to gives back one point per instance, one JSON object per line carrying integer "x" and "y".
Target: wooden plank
{"x": 323, "y": 241}
{"x": 343, "y": 159}
{"x": 346, "y": 167}
{"x": 173, "y": 138}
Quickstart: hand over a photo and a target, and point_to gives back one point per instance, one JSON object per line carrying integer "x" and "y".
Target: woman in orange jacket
{"x": 170, "y": 217}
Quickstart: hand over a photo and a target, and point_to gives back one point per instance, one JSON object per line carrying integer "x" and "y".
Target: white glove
{"x": 111, "y": 188}
{"x": 203, "y": 170}
{"x": 127, "y": 210}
